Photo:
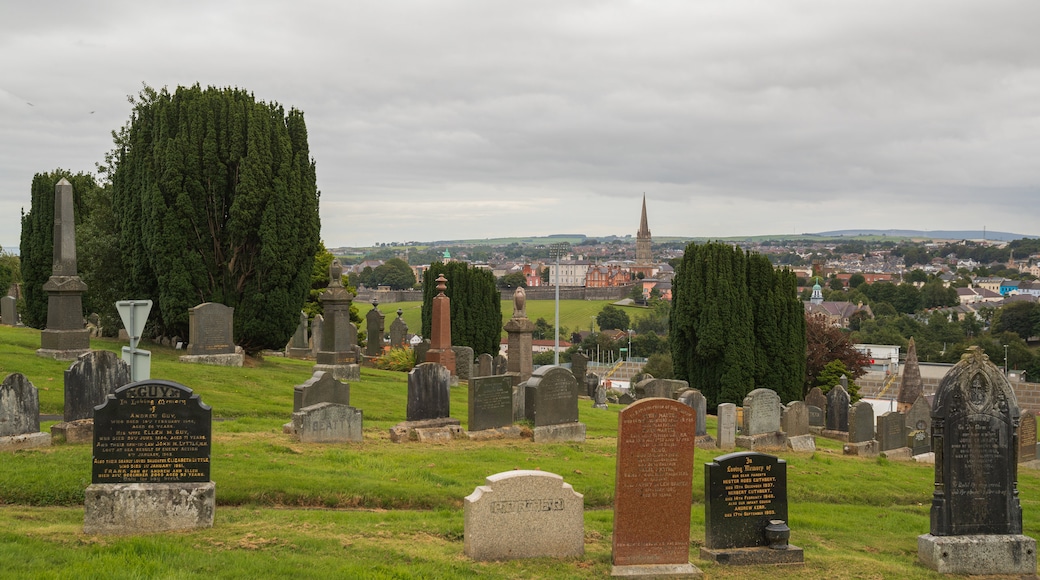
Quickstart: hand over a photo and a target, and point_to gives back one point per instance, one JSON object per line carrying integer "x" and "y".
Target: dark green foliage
{"x": 612, "y": 317}
{"x": 37, "y": 241}
{"x": 476, "y": 307}
{"x": 1022, "y": 318}
{"x": 514, "y": 280}
{"x": 216, "y": 200}
{"x": 7, "y": 271}
{"x": 395, "y": 273}
{"x": 831, "y": 375}
{"x": 659, "y": 366}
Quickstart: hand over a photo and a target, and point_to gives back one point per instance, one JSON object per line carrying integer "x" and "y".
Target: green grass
{"x": 382, "y": 510}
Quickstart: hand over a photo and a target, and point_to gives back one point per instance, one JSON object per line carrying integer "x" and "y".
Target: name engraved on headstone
{"x": 530, "y": 505}
{"x": 152, "y": 432}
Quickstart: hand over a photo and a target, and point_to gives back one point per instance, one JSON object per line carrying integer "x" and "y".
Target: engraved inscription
{"x": 749, "y": 490}
{"x": 528, "y": 505}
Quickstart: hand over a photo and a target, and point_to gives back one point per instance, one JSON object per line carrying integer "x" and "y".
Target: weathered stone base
{"x": 61, "y": 354}
{"x": 143, "y": 508}
{"x": 978, "y": 554}
{"x": 600, "y": 406}
{"x": 816, "y": 430}
{"x": 340, "y": 372}
{"x": 560, "y": 433}
{"x": 862, "y": 449}
{"x": 508, "y": 432}
{"x": 836, "y": 435}
{"x": 72, "y": 432}
{"x": 426, "y": 430}
{"x": 926, "y": 458}
{"x": 754, "y": 556}
{"x": 775, "y": 441}
{"x": 299, "y": 353}
{"x": 26, "y": 441}
{"x": 900, "y": 454}
{"x": 706, "y": 442}
{"x": 217, "y": 360}
{"x": 657, "y": 571}
{"x": 802, "y": 443}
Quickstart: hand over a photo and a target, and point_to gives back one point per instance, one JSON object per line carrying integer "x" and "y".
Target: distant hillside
{"x": 933, "y": 234}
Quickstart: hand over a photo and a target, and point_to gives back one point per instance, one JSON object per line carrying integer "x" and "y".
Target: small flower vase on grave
{"x": 777, "y": 534}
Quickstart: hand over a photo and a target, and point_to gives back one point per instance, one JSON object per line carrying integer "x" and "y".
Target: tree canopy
{"x": 612, "y": 317}
{"x": 476, "y": 306}
{"x": 395, "y": 273}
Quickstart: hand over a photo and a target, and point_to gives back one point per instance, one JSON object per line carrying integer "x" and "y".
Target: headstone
{"x": 339, "y": 352}
{"x": 520, "y": 336}
{"x": 844, "y": 381}
{"x": 837, "y": 409}
{"x": 919, "y": 442}
{"x": 816, "y": 418}
{"x": 550, "y": 397}
{"x": 210, "y": 327}
{"x": 398, "y": 331}
{"x": 429, "y": 392}
{"x": 919, "y": 417}
{"x": 891, "y": 431}
{"x": 745, "y": 498}
{"x": 317, "y": 329}
{"x": 65, "y": 336}
{"x": 727, "y": 425}
{"x": 420, "y": 351}
{"x": 19, "y": 406}
{"x": 976, "y": 517}
{"x": 795, "y": 419}
{"x": 9, "y": 311}
{"x": 501, "y": 365}
{"x": 322, "y": 387}
{"x": 524, "y": 514}
{"x": 299, "y": 345}
{"x": 592, "y": 385}
{"x": 1027, "y": 437}
{"x": 156, "y": 436}
{"x": 490, "y": 402}
{"x": 463, "y": 362}
{"x": 579, "y": 366}
{"x": 375, "y": 326}
{"x": 485, "y": 365}
{"x": 817, "y": 399}
{"x": 327, "y": 423}
{"x": 861, "y": 422}
{"x": 910, "y": 384}
{"x": 440, "y": 329}
{"x": 761, "y": 412}
{"x": 653, "y": 486}
{"x": 600, "y": 398}
{"x": 693, "y": 399}
{"x": 90, "y": 380}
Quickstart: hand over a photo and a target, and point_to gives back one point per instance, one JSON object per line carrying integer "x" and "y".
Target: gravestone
{"x": 919, "y": 417}
{"x": 9, "y": 311}
{"x": 398, "y": 331}
{"x": 910, "y": 384}
{"x": 327, "y": 423}
{"x": 90, "y": 380}
{"x": 861, "y": 422}
{"x": 919, "y": 443}
{"x": 463, "y": 362}
{"x": 816, "y": 418}
{"x": 592, "y": 385}
{"x": 891, "y": 431}
{"x": 746, "y": 493}
{"x": 580, "y": 366}
{"x": 976, "y": 517}
{"x": 210, "y": 328}
{"x": 322, "y": 387}
{"x": 299, "y": 345}
{"x": 20, "y": 415}
{"x": 524, "y": 514}
{"x": 795, "y": 419}
{"x": 501, "y": 365}
{"x": 653, "y": 486}
{"x": 727, "y": 425}
{"x": 520, "y": 336}
{"x": 375, "y": 325}
{"x": 1027, "y": 437}
{"x": 490, "y": 402}
{"x": 551, "y": 403}
{"x": 485, "y": 365}
{"x": 599, "y": 401}
{"x": 65, "y": 336}
{"x": 420, "y": 351}
{"x": 317, "y": 329}
{"x": 440, "y": 351}
{"x": 339, "y": 351}
{"x": 817, "y": 399}
{"x": 693, "y": 399}
{"x": 151, "y": 466}
{"x": 761, "y": 412}
{"x": 837, "y": 409}
{"x": 429, "y": 392}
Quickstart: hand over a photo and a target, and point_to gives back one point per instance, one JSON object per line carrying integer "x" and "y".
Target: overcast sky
{"x": 445, "y": 120}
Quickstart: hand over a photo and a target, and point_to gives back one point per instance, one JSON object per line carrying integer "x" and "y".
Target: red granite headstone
{"x": 652, "y": 495}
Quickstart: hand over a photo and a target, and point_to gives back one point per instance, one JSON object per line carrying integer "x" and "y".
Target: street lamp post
{"x": 629, "y": 345}
{"x": 555, "y": 250}
{"x": 1005, "y": 360}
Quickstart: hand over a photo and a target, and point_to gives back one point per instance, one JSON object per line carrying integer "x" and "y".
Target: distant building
{"x": 644, "y": 252}
{"x": 837, "y": 313}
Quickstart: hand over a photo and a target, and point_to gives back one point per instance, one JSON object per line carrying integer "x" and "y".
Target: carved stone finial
{"x": 335, "y": 272}
{"x": 520, "y": 303}
{"x": 399, "y": 312}
{"x": 442, "y": 284}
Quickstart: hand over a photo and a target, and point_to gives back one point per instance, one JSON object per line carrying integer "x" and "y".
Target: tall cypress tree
{"x": 476, "y": 305}
{"x": 217, "y": 201}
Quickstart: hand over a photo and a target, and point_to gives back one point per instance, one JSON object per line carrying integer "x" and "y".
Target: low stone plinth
{"x": 299, "y": 353}
{"x": 559, "y": 433}
{"x": 25, "y": 441}
{"x": 754, "y": 556}
{"x": 802, "y": 443}
{"x": 978, "y": 554}
{"x": 438, "y": 434}
{"x": 217, "y": 360}
{"x": 340, "y": 372}
{"x": 836, "y": 435}
{"x": 706, "y": 442}
{"x": 408, "y": 430}
{"x": 657, "y": 571}
{"x": 507, "y": 432}
{"x": 144, "y": 508}
{"x": 816, "y": 430}
{"x": 926, "y": 458}
{"x": 61, "y": 354}
{"x": 899, "y": 454}
{"x": 327, "y": 423}
{"x": 776, "y": 441}
{"x": 863, "y": 449}
{"x": 72, "y": 432}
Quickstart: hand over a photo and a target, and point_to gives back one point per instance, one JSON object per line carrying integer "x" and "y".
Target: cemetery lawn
{"x": 382, "y": 510}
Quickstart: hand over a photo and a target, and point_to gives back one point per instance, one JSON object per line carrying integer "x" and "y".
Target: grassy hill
{"x": 382, "y": 510}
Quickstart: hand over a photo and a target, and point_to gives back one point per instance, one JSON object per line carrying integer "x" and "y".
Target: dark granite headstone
{"x": 485, "y": 365}
{"x": 374, "y": 321}
{"x": 463, "y": 362}
{"x": 420, "y": 351}
{"x": 90, "y": 380}
{"x": 19, "y": 406}
{"x": 891, "y": 431}
{"x": 152, "y": 431}
{"x": 654, "y": 481}
{"x": 317, "y": 330}
{"x": 398, "y": 331}
{"x": 816, "y": 418}
{"x": 795, "y": 419}
{"x": 837, "y": 409}
{"x": 817, "y": 399}
{"x": 210, "y": 328}
{"x": 322, "y": 387}
{"x": 974, "y": 420}
{"x": 919, "y": 442}
{"x": 9, "y": 311}
{"x": 551, "y": 396}
{"x": 429, "y": 392}
{"x": 861, "y": 422}
{"x": 592, "y": 384}
{"x": 501, "y": 365}
{"x": 579, "y": 366}
{"x": 919, "y": 417}
{"x": 693, "y": 399}
{"x": 490, "y": 402}
{"x": 299, "y": 337}
{"x": 743, "y": 491}
{"x": 1027, "y": 437}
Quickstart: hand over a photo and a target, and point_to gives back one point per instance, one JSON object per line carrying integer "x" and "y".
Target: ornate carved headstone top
{"x": 520, "y": 303}
{"x": 19, "y": 406}
{"x": 90, "y": 379}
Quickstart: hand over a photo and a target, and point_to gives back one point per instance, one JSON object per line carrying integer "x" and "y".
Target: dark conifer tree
{"x": 476, "y": 306}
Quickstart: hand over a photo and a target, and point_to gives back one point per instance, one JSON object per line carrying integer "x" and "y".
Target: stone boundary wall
{"x": 539, "y": 293}
{"x": 1028, "y": 394}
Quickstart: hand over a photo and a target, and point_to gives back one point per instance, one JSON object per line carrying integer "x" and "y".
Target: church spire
{"x": 644, "y": 255}
{"x": 644, "y": 229}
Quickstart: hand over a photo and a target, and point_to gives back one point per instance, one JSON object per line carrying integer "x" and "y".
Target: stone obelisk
{"x": 440, "y": 329}
{"x": 338, "y": 353}
{"x": 65, "y": 337}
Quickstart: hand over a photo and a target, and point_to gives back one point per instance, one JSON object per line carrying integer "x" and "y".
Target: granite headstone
{"x": 210, "y": 328}
{"x": 761, "y": 412}
{"x": 327, "y": 423}
{"x": 429, "y": 392}
{"x": 891, "y": 431}
{"x": 727, "y": 425}
{"x": 9, "y": 311}
{"x": 861, "y": 422}
{"x": 579, "y": 366}
{"x": 19, "y": 406}
{"x": 837, "y": 409}
{"x": 693, "y": 399}
{"x": 90, "y": 380}
{"x": 816, "y": 418}
{"x": 374, "y": 321}
{"x": 817, "y": 399}
{"x": 795, "y": 419}
{"x": 322, "y": 387}
{"x": 743, "y": 492}
{"x": 398, "y": 331}
{"x": 485, "y": 365}
{"x": 490, "y": 402}
{"x": 1027, "y": 437}
{"x": 463, "y": 362}
{"x": 550, "y": 397}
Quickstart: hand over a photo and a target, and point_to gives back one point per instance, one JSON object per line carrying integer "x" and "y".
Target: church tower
{"x": 643, "y": 255}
